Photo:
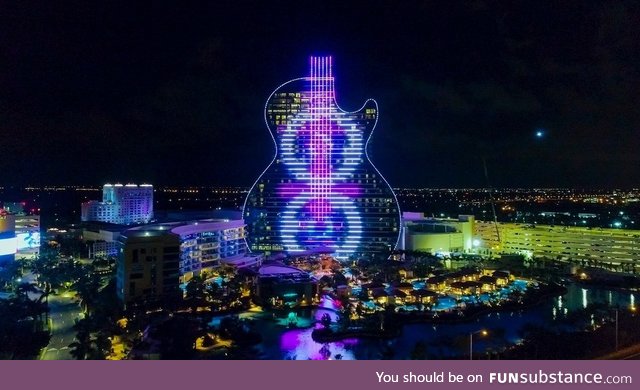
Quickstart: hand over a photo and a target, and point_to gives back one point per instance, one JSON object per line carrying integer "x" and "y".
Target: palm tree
{"x": 81, "y": 347}
{"x": 101, "y": 347}
{"x": 29, "y": 308}
{"x": 87, "y": 287}
{"x": 23, "y": 289}
{"x": 195, "y": 290}
{"x": 325, "y": 320}
{"x": 8, "y": 274}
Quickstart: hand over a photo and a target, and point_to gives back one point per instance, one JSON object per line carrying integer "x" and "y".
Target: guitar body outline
{"x": 321, "y": 191}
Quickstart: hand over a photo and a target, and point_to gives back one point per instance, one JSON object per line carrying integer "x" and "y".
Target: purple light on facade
{"x": 322, "y": 127}
{"x": 321, "y": 210}
{"x": 321, "y": 190}
{"x": 291, "y": 190}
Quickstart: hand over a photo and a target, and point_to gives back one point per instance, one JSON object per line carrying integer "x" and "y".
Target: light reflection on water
{"x": 444, "y": 340}
{"x": 297, "y": 344}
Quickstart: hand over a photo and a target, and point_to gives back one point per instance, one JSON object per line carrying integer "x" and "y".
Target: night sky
{"x": 173, "y": 95}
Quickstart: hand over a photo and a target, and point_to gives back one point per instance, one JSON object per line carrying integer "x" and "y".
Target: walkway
{"x": 64, "y": 311}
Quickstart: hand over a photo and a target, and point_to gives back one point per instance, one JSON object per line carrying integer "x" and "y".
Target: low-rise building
{"x": 619, "y": 248}
{"x": 280, "y": 285}
{"x": 437, "y": 235}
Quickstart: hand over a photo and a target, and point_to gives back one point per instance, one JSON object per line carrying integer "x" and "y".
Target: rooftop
{"x": 279, "y": 269}
{"x": 182, "y": 228}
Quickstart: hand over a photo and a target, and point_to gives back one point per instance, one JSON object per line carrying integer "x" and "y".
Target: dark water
{"x": 446, "y": 340}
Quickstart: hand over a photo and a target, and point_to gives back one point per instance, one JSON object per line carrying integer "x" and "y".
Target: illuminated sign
{"x": 7, "y": 246}
{"x": 28, "y": 240}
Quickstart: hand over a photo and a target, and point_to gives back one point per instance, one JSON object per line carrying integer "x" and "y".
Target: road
{"x": 629, "y": 353}
{"x": 63, "y": 311}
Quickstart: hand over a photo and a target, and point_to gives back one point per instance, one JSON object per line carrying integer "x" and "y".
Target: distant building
{"x": 8, "y": 243}
{"x": 101, "y": 239}
{"x": 27, "y": 235}
{"x": 589, "y": 246}
{"x": 14, "y": 207}
{"x": 437, "y": 235}
{"x": 202, "y": 245}
{"x": 121, "y": 204}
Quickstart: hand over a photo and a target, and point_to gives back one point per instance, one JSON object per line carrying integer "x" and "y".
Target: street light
{"x": 483, "y": 332}
{"x": 631, "y": 309}
{"x": 617, "y": 328}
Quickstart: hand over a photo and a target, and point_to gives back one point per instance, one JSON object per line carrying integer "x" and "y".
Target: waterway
{"x": 442, "y": 340}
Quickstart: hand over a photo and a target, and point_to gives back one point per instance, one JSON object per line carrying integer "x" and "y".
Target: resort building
{"x": 201, "y": 246}
{"x": 280, "y": 285}
{"x": 619, "y": 248}
{"x": 148, "y": 266}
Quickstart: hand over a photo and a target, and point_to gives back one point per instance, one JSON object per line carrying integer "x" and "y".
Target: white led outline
{"x": 275, "y": 143}
{"x": 353, "y": 218}
{"x": 366, "y": 151}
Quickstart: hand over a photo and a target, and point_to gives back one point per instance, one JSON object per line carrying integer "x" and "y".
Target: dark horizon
{"x": 98, "y": 187}
{"x": 169, "y": 96}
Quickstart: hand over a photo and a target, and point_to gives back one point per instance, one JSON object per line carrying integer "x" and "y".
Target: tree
{"x": 101, "y": 347}
{"x": 325, "y": 320}
{"x": 419, "y": 351}
{"x": 31, "y": 308}
{"x": 208, "y": 341}
{"x": 87, "y": 286}
{"x": 81, "y": 346}
{"x": 9, "y": 273}
{"x": 339, "y": 278}
{"x": 421, "y": 269}
{"x": 195, "y": 291}
{"x": 21, "y": 334}
{"x": 177, "y": 338}
{"x": 214, "y": 295}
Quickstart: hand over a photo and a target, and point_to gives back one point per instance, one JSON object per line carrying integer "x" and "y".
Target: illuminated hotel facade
{"x": 121, "y": 204}
{"x": 321, "y": 191}
{"x": 617, "y": 249}
{"x": 589, "y": 246}
{"x": 154, "y": 259}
